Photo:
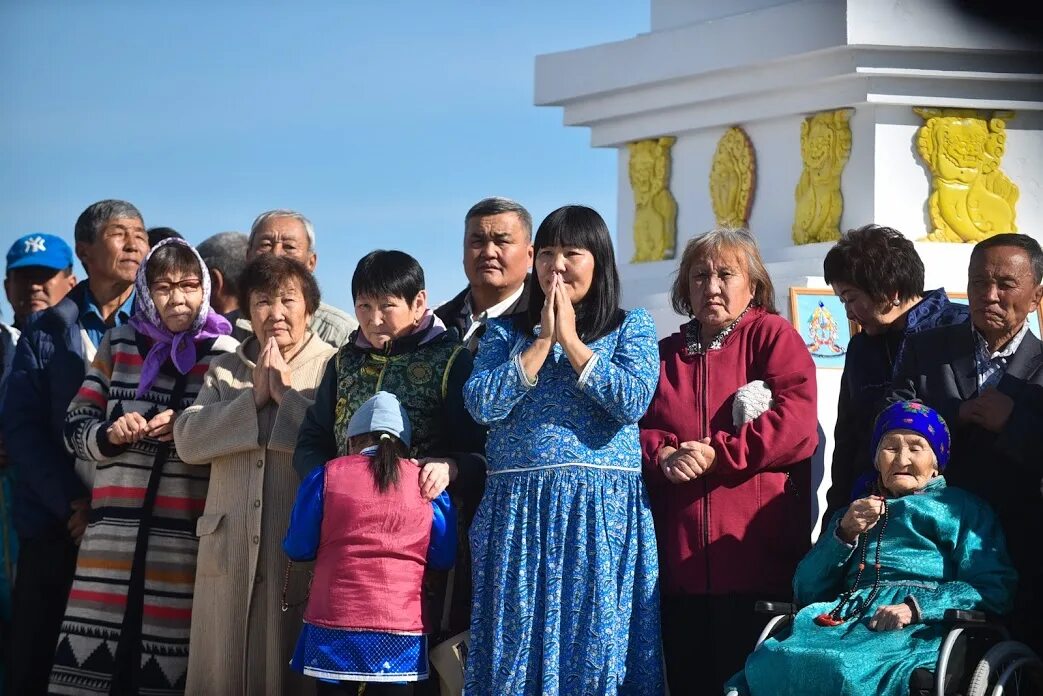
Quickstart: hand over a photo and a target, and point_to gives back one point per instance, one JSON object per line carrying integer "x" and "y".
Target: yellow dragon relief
{"x": 971, "y": 198}
{"x": 825, "y": 145}
{"x": 655, "y": 210}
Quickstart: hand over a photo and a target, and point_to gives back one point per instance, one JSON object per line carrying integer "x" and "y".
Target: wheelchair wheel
{"x": 996, "y": 669}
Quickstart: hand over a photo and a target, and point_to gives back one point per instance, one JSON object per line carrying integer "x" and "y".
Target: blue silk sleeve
{"x": 302, "y": 537}
{"x": 441, "y": 553}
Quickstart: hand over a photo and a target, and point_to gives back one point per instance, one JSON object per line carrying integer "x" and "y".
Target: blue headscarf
{"x": 924, "y": 420}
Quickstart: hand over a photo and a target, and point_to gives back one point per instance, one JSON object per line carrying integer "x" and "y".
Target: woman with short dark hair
{"x": 401, "y": 347}
{"x": 244, "y": 425}
{"x": 566, "y": 597}
{"x": 877, "y": 274}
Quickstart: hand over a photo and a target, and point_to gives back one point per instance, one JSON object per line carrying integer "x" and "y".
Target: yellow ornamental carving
{"x": 732, "y": 179}
{"x": 825, "y": 145}
{"x": 655, "y": 210}
{"x": 971, "y": 199}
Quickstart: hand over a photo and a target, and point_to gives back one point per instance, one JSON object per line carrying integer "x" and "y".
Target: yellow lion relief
{"x": 825, "y": 145}
{"x": 971, "y": 199}
{"x": 655, "y": 210}
{"x": 732, "y": 179}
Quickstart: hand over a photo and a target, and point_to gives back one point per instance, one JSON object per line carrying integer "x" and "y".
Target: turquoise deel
{"x": 942, "y": 546}
{"x": 566, "y": 597}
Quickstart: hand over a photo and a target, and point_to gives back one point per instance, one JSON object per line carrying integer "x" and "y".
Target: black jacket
{"x": 454, "y": 313}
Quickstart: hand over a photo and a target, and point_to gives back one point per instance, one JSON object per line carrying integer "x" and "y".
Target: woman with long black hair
{"x": 564, "y": 557}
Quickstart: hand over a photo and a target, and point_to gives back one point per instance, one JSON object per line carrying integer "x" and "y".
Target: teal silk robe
{"x": 942, "y": 546}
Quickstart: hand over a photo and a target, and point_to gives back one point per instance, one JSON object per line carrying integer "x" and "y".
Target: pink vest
{"x": 372, "y": 550}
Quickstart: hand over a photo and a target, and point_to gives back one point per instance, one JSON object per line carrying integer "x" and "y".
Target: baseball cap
{"x": 44, "y": 250}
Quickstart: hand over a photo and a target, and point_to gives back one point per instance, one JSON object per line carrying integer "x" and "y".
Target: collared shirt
{"x": 992, "y": 366}
{"x": 694, "y": 340}
{"x": 94, "y": 324}
{"x": 493, "y": 312}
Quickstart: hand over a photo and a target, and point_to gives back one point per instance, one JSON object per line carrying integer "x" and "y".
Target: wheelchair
{"x": 977, "y": 657}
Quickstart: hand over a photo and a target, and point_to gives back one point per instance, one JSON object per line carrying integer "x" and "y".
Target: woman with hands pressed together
{"x": 876, "y": 585}
{"x": 126, "y": 624}
{"x": 244, "y": 424}
{"x": 726, "y": 445}
{"x": 565, "y": 595}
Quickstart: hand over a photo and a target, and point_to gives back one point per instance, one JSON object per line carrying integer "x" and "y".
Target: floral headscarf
{"x": 924, "y": 420}
{"x": 180, "y": 348}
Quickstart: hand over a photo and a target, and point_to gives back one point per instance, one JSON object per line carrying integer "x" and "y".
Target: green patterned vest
{"x": 418, "y": 378}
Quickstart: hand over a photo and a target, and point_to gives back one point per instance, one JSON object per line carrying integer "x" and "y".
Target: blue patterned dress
{"x": 943, "y": 547}
{"x": 566, "y": 592}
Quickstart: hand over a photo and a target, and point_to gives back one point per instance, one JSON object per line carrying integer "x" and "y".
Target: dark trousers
{"x": 348, "y": 688}
{"x": 41, "y": 589}
{"x": 706, "y": 639}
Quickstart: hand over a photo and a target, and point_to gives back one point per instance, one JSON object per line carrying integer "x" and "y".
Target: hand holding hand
{"x": 861, "y": 516}
{"x": 890, "y": 617}
{"x": 435, "y": 476}
{"x": 127, "y": 429}
{"x": 161, "y": 427}
{"x": 262, "y": 390}
{"x": 564, "y": 313}
{"x": 701, "y": 453}
{"x": 279, "y": 372}
{"x": 989, "y": 410}
{"x": 548, "y": 318}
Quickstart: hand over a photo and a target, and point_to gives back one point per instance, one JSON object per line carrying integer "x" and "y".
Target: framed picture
{"x": 819, "y": 317}
{"x": 1033, "y": 318}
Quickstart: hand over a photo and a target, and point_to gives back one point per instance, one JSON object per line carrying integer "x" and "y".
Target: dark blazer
{"x": 1004, "y": 468}
{"x": 47, "y": 372}
{"x": 455, "y": 315}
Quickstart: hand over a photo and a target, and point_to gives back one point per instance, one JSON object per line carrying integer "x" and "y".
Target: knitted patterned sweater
{"x": 130, "y": 607}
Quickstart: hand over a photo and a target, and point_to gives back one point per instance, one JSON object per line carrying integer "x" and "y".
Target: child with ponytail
{"x": 365, "y": 522}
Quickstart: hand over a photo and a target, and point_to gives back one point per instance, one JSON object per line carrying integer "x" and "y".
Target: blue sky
{"x": 381, "y": 120}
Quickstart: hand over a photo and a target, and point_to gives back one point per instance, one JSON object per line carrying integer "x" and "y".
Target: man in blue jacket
{"x": 51, "y": 503}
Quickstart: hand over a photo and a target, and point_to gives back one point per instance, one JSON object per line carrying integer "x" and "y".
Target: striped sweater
{"x": 126, "y": 626}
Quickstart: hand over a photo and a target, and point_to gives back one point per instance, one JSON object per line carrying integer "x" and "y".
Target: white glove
{"x": 751, "y": 400}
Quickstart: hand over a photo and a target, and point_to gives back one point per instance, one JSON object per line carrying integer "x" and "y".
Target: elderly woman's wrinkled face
{"x": 905, "y": 461}
{"x": 386, "y": 318}
{"x": 178, "y": 296}
{"x": 719, "y": 289}
{"x": 282, "y": 315}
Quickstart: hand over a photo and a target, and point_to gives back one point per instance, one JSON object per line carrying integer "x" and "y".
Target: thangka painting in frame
{"x": 1034, "y": 318}
{"x": 819, "y": 317}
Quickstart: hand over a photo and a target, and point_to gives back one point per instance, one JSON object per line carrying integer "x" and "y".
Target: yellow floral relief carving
{"x": 971, "y": 199}
{"x": 732, "y": 179}
{"x": 655, "y": 210}
{"x": 825, "y": 145}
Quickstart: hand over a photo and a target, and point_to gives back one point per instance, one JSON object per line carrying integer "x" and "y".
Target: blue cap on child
{"x": 382, "y": 413}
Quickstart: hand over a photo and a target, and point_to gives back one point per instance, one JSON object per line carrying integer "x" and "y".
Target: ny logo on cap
{"x": 34, "y": 244}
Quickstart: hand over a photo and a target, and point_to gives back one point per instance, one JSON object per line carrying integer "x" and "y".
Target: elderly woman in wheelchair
{"x": 875, "y": 587}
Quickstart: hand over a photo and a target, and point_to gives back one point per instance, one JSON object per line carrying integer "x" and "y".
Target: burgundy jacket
{"x": 743, "y": 526}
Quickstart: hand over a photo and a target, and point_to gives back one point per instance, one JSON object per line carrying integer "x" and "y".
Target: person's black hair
{"x": 384, "y": 462}
{"x": 1019, "y": 241}
{"x": 268, "y": 273}
{"x": 158, "y": 234}
{"x": 383, "y": 273}
{"x": 598, "y": 312}
{"x": 879, "y": 261}
{"x": 169, "y": 258}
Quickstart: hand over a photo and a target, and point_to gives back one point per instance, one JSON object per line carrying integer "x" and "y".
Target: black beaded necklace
{"x": 837, "y": 615}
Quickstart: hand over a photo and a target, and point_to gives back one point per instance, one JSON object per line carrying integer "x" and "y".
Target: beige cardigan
{"x": 241, "y": 640}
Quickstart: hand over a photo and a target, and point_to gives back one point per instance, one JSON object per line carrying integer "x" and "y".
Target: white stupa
{"x": 766, "y": 65}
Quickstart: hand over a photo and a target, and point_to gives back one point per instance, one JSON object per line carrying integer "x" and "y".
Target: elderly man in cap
{"x": 39, "y": 275}
{"x": 497, "y": 257}
{"x": 288, "y": 233}
{"x": 50, "y": 500}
